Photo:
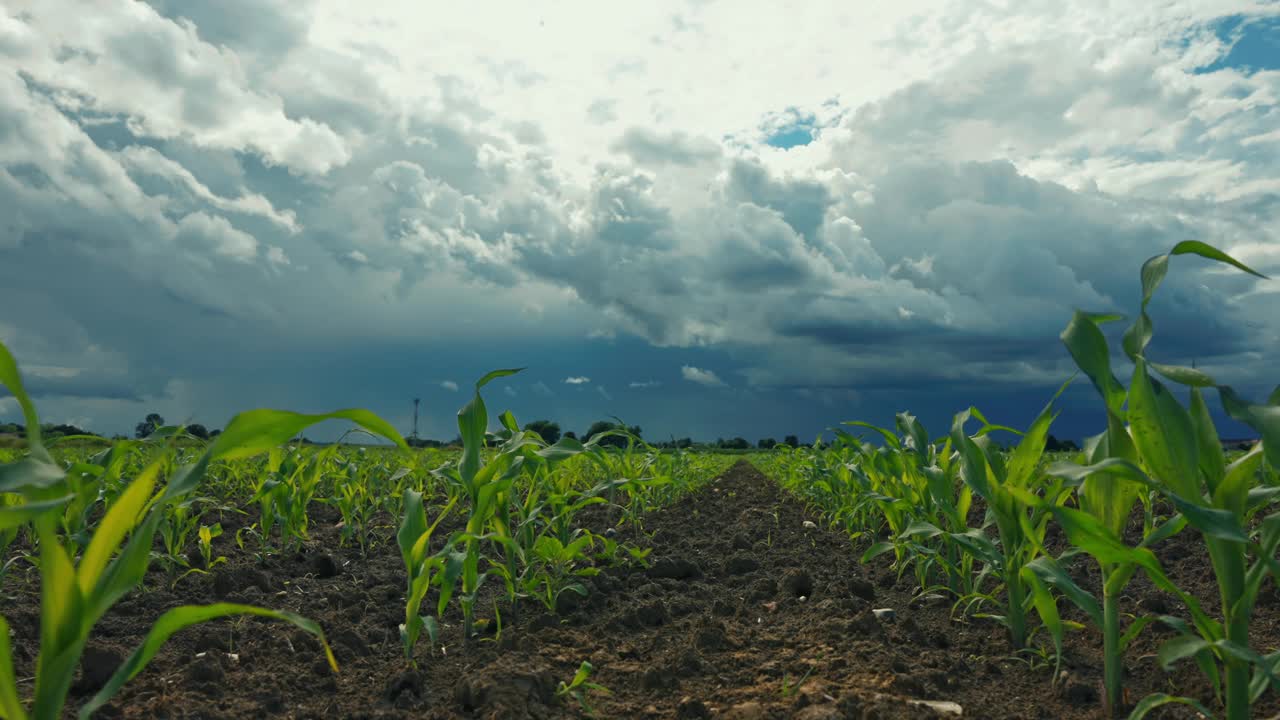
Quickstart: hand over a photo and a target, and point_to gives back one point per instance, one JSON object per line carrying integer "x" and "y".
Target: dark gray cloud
{"x": 202, "y": 214}
{"x": 647, "y": 147}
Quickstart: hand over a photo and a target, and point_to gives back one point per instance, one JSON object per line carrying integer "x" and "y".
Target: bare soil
{"x": 745, "y": 612}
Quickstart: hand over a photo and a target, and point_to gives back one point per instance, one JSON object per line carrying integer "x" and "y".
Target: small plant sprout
{"x": 578, "y": 687}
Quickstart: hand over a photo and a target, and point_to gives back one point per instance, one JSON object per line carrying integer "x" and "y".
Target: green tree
{"x": 767, "y": 443}
{"x": 600, "y": 426}
{"x": 198, "y": 430}
{"x": 547, "y": 430}
{"x": 791, "y": 440}
{"x": 148, "y": 425}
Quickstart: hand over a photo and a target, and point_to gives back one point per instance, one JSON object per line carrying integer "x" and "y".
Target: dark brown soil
{"x": 745, "y": 613}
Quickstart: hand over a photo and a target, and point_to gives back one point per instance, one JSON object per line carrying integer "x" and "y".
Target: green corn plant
{"x": 1105, "y": 500}
{"x": 287, "y": 490}
{"x": 487, "y": 484}
{"x": 358, "y": 502}
{"x": 75, "y": 594}
{"x": 1176, "y": 452}
{"x": 578, "y": 687}
{"x": 414, "y": 539}
{"x": 181, "y": 520}
{"x": 914, "y": 483}
{"x": 554, "y": 568}
{"x": 1006, "y": 485}
{"x": 204, "y": 543}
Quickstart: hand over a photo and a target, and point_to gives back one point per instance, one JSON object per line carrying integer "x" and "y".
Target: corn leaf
{"x": 1162, "y": 432}
{"x": 1233, "y": 492}
{"x": 1051, "y": 573}
{"x": 1026, "y": 457}
{"x": 12, "y": 380}
{"x": 257, "y": 431}
{"x": 1265, "y": 419}
{"x": 1189, "y": 247}
{"x": 121, "y": 518}
{"x": 1183, "y": 646}
{"x": 182, "y": 617}
{"x": 12, "y": 516}
{"x": 890, "y": 439}
{"x": 413, "y": 525}
{"x": 124, "y": 573}
{"x": 1155, "y": 700}
{"x": 1213, "y": 464}
{"x": 10, "y": 705}
{"x": 1088, "y": 347}
{"x": 1047, "y": 608}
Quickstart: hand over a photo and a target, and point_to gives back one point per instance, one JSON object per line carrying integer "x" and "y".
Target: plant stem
{"x": 1017, "y": 608}
{"x": 1113, "y": 665}
{"x": 1237, "y": 629}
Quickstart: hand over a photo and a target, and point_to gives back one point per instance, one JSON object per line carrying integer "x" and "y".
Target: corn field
{"x": 512, "y": 537}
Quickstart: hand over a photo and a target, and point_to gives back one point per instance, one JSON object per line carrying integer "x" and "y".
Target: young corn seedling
{"x": 487, "y": 484}
{"x": 1177, "y": 453}
{"x": 76, "y": 593}
{"x": 204, "y": 545}
{"x": 1007, "y": 486}
{"x": 915, "y": 485}
{"x": 578, "y": 687}
{"x": 414, "y": 538}
{"x": 181, "y": 521}
{"x": 554, "y": 567}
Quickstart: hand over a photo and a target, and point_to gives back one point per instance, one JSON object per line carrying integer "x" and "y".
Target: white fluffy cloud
{"x": 577, "y": 380}
{"x": 700, "y": 376}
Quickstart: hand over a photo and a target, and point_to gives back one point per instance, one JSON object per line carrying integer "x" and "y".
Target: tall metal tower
{"x": 415, "y": 418}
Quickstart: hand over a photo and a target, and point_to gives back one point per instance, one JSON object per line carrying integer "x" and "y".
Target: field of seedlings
{"x": 887, "y": 573}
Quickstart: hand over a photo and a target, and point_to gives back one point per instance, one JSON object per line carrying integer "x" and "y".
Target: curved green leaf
{"x": 1205, "y": 250}
{"x": 1155, "y": 700}
{"x": 257, "y": 431}
{"x": 182, "y": 617}
{"x": 12, "y": 381}
{"x": 10, "y": 705}
{"x": 1051, "y": 573}
{"x": 1162, "y": 432}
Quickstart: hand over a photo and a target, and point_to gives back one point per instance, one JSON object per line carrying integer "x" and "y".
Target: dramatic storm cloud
{"x": 733, "y": 221}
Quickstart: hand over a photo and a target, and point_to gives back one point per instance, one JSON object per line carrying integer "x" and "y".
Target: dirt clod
{"x": 97, "y": 665}
{"x": 324, "y": 566}
{"x": 689, "y": 709}
{"x": 408, "y": 682}
{"x": 797, "y": 583}
{"x": 651, "y": 614}
{"x": 741, "y": 563}
{"x": 861, "y": 588}
{"x": 1080, "y": 694}
{"x": 206, "y": 668}
{"x": 746, "y": 711}
{"x": 675, "y": 569}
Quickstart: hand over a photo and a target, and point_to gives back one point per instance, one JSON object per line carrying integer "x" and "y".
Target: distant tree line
{"x": 548, "y": 430}
{"x": 48, "y": 430}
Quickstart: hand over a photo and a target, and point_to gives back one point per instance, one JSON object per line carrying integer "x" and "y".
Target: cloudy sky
{"x": 709, "y": 217}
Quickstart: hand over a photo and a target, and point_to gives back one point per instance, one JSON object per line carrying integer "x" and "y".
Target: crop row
{"x": 971, "y": 520}
{"x": 92, "y": 524}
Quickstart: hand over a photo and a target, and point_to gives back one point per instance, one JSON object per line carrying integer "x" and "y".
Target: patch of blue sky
{"x": 1254, "y": 44}
{"x": 790, "y": 128}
